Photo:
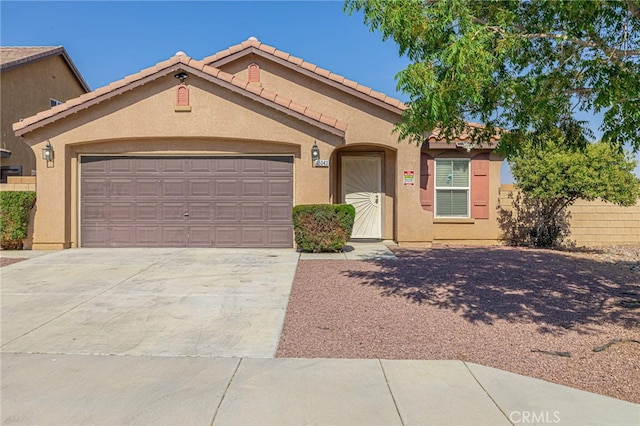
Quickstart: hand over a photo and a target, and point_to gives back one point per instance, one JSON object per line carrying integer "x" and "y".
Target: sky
{"x": 110, "y": 40}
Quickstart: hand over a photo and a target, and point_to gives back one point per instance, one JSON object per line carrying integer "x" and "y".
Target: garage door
{"x": 234, "y": 201}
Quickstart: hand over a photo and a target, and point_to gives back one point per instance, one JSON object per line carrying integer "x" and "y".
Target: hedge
{"x": 323, "y": 227}
{"x": 15, "y": 211}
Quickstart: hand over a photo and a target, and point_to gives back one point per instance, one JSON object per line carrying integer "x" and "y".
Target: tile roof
{"x": 252, "y": 45}
{"x": 200, "y": 68}
{"x": 15, "y": 56}
{"x": 434, "y": 136}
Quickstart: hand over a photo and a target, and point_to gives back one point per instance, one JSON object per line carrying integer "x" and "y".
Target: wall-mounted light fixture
{"x": 47, "y": 153}
{"x": 181, "y": 76}
{"x": 315, "y": 153}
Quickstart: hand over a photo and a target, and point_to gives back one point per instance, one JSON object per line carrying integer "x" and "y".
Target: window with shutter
{"x": 452, "y": 187}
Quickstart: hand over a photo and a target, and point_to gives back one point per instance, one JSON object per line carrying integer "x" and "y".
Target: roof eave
{"x": 181, "y": 64}
{"x": 307, "y": 72}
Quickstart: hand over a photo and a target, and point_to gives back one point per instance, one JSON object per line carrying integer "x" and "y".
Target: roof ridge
{"x": 299, "y": 62}
{"x": 197, "y": 65}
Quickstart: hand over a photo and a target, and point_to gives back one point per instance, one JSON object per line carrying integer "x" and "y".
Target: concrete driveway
{"x": 163, "y": 302}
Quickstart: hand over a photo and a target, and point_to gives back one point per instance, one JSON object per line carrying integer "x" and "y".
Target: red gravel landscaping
{"x": 519, "y": 310}
{"x": 5, "y": 261}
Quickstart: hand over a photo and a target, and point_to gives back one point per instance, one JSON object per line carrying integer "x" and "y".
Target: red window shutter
{"x": 480, "y": 186}
{"x": 254, "y": 73}
{"x": 182, "y": 96}
{"x": 427, "y": 181}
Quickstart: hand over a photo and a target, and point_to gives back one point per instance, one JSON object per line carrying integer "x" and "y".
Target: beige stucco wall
{"x": 145, "y": 121}
{"x": 370, "y": 129}
{"x": 596, "y": 223}
{"x": 25, "y": 91}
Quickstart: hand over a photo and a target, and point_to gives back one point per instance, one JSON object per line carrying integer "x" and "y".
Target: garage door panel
{"x": 94, "y": 187}
{"x": 172, "y": 211}
{"x": 200, "y": 236}
{"x": 227, "y": 236}
{"x": 226, "y": 165}
{"x": 186, "y": 201}
{"x": 148, "y": 211}
{"x": 122, "y": 187}
{"x": 279, "y": 212}
{"x": 253, "y": 212}
{"x": 174, "y": 236}
{"x": 148, "y": 166}
{"x": 226, "y": 211}
{"x": 122, "y": 212}
{"x": 201, "y": 187}
{"x": 252, "y": 188}
{"x": 148, "y": 236}
{"x": 120, "y": 235}
{"x": 280, "y": 166}
{"x": 174, "y": 187}
{"x": 121, "y": 165}
{"x": 95, "y": 211}
{"x": 280, "y": 187}
{"x": 226, "y": 188}
{"x": 253, "y": 166}
{"x": 253, "y": 236}
{"x": 199, "y": 211}
{"x": 201, "y": 165}
{"x": 173, "y": 165}
{"x": 280, "y": 236}
{"x": 148, "y": 187}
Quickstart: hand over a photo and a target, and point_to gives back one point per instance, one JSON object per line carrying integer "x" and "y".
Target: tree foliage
{"x": 516, "y": 65}
{"x": 553, "y": 175}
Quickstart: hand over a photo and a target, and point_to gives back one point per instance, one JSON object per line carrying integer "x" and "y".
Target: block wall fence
{"x": 596, "y": 223}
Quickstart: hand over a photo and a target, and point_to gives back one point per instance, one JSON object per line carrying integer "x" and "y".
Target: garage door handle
{"x": 186, "y": 214}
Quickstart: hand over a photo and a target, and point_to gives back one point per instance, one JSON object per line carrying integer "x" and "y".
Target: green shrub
{"x": 323, "y": 227}
{"x": 15, "y": 210}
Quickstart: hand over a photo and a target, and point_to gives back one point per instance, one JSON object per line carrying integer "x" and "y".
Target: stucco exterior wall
{"x": 145, "y": 121}
{"x": 596, "y": 223}
{"x": 27, "y": 90}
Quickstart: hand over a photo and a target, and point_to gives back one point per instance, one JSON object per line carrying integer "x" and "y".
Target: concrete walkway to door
{"x": 162, "y": 302}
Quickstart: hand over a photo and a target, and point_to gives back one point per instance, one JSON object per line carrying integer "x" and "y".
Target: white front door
{"x": 362, "y": 188}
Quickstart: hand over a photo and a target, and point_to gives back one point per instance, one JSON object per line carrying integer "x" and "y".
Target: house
{"x": 33, "y": 79}
{"x": 216, "y": 152}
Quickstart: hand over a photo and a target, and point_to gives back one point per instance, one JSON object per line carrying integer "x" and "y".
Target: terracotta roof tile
{"x": 328, "y": 120}
{"x": 341, "y": 125}
{"x": 265, "y": 48}
{"x": 281, "y": 54}
{"x": 295, "y": 60}
{"x": 336, "y": 77}
{"x": 364, "y": 89}
{"x": 350, "y": 83}
{"x": 267, "y": 94}
{"x": 308, "y": 66}
{"x": 254, "y": 88}
{"x": 281, "y": 100}
{"x": 380, "y": 96}
{"x": 299, "y": 108}
{"x": 252, "y": 43}
{"x": 313, "y": 114}
{"x": 162, "y": 69}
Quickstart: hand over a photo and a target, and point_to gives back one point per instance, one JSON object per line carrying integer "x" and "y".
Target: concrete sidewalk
{"x": 48, "y": 389}
{"x": 356, "y": 251}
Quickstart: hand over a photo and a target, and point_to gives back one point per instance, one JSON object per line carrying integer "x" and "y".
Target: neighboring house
{"x": 216, "y": 152}
{"x": 33, "y": 79}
